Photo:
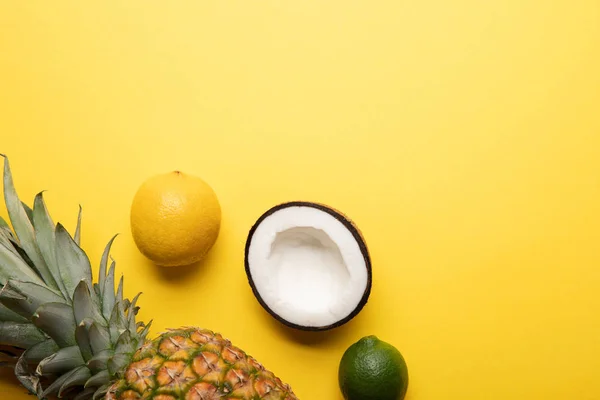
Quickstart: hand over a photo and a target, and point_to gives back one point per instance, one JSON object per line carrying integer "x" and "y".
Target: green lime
{"x": 372, "y": 369}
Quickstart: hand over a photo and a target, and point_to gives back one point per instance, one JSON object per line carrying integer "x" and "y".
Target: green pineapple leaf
{"x": 19, "y": 334}
{"x": 83, "y": 340}
{"x": 83, "y": 305}
{"x": 101, "y": 391}
{"x": 25, "y": 298}
{"x": 64, "y": 360}
{"x": 77, "y": 236}
{"x": 99, "y": 338}
{"x": 73, "y": 263}
{"x": 108, "y": 293}
{"x": 52, "y": 311}
{"x": 117, "y": 363}
{"x": 103, "y": 265}
{"x": 57, "y": 320}
{"x": 24, "y": 228}
{"x": 41, "y": 350}
{"x": 125, "y": 343}
{"x": 7, "y": 241}
{"x": 116, "y": 324}
{"x": 6, "y": 314}
{"x": 132, "y": 312}
{"x": 12, "y": 266}
{"x": 100, "y": 360}
{"x": 78, "y": 377}
{"x": 99, "y": 379}
{"x": 28, "y": 211}
{"x": 23, "y": 255}
{"x": 46, "y": 239}
{"x": 29, "y": 380}
{"x": 63, "y": 382}
{"x": 145, "y": 330}
{"x": 119, "y": 297}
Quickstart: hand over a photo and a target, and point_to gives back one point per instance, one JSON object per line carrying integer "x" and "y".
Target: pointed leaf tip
{"x": 28, "y": 211}
{"x": 146, "y": 330}
{"x": 23, "y": 227}
{"x": 104, "y": 263}
{"x": 76, "y": 378}
{"x": 83, "y": 304}
{"x": 64, "y": 360}
{"x": 120, "y": 290}
{"x": 108, "y": 292}
{"x": 77, "y": 236}
{"x": 27, "y": 378}
{"x": 101, "y": 391}
{"x": 73, "y": 263}
{"x": 58, "y": 322}
{"x": 45, "y": 233}
{"x": 97, "y": 380}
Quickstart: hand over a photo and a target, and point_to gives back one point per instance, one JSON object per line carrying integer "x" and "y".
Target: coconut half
{"x": 308, "y": 266}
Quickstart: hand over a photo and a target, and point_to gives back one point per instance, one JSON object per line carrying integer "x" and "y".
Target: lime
{"x": 372, "y": 369}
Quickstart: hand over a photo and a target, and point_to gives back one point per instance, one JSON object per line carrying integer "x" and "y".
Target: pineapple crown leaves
{"x": 71, "y": 336}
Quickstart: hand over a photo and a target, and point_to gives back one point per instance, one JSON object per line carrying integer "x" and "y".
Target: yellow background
{"x": 463, "y": 137}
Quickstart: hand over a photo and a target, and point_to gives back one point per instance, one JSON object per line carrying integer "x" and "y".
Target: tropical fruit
{"x": 73, "y": 338}
{"x": 308, "y": 265}
{"x": 175, "y": 218}
{"x": 372, "y": 369}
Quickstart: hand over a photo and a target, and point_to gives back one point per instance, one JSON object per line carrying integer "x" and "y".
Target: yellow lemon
{"x": 175, "y": 219}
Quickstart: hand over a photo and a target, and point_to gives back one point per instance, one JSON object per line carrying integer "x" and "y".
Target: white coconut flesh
{"x": 307, "y": 266}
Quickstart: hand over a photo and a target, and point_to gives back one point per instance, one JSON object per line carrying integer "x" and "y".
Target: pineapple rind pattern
{"x": 196, "y": 364}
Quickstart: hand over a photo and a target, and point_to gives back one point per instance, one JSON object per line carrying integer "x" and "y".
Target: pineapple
{"x": 68, "y": 337}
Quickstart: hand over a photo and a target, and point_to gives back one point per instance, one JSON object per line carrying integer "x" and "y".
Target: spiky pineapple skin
{"x": 196, "y": 364}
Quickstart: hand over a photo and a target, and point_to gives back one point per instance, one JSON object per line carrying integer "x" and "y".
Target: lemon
{"x": 175, "y": 219}
{"x": 372, "y": 369}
